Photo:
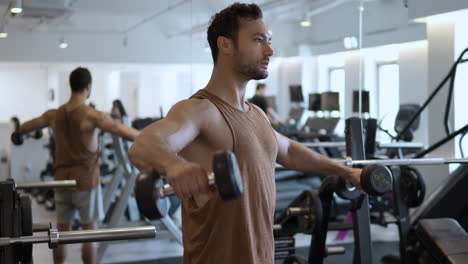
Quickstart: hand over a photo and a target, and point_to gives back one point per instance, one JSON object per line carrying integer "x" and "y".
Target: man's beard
{"x": 252, "y": 72}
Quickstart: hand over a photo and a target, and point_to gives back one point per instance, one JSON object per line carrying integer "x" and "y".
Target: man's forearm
{"x": 31, "y": 125}
{"x": 301, "y": 158}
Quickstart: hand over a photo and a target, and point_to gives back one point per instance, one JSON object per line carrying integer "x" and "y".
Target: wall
{"x": 424, "y": 8}
{"x": 414, "y": 82}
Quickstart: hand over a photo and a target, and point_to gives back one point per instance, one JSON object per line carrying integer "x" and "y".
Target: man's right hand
{"x": 187, "y": 179}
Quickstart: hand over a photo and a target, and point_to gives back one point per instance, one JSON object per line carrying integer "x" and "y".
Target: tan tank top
{"x": 73, "y": 159}
{"x": 241, "y": 231}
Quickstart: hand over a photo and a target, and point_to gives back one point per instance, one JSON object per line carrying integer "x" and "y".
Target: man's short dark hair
{"x": 226, "y": 23}
{"x": 260, "y": 86}
{"x": 80, "y": 78}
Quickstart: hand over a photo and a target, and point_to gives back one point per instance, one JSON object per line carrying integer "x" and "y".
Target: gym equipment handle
{"x": 46, "y": 184}
{"x": 56, "y": 238}
{"x": 167, "y": 189}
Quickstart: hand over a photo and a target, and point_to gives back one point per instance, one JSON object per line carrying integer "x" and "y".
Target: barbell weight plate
{"x": 307, "y": 222}
{"x": 148, "y": 204}
{"x": 311, "y": 221}
{"x": 294, "y": 260}
{"x": 376, "y": 179}
{"x": 412, "y": 186}
{"x": 227, "y": 175}
{"x": 26, "y": 229}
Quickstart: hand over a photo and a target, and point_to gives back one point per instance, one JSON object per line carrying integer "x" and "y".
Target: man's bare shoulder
{"x": 50, "y": 114}
{"x": 193, "y": 108}
{"x": 94, "y": 115}
{"x": 259, "y": 110}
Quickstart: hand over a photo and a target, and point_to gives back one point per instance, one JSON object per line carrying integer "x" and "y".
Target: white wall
{"x": 414, "y": 81}
{"x": 23, "y": 91}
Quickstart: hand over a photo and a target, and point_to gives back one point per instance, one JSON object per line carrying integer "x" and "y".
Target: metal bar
{"x": 46, "y": 184}
{"x": 111, "y": 188}
{"x": 324, "y": 144}
{"x": 390, "y": 162}
{"x": 442, "y": 141}
{"x": 109, "y": 234}
{"x": 400, "y": 145}
{"x": 341, "y": 144}
{"x": 83, "y": 236}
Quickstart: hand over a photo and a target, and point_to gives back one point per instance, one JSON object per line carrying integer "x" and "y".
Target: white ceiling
{"x": 123, "y": 16}
{"x": 175, "y": 30}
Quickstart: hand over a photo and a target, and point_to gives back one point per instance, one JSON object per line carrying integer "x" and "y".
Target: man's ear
{"x": 225, "y": 45}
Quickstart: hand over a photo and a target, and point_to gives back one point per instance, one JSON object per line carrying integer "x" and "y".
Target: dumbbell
{"x": 376, "y": 180}
{"x": 17, "y": 137}
{"x": 226, "y": 176}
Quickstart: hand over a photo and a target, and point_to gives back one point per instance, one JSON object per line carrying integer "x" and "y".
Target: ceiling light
{"x": 350, "y": 42}
{"x": 3, "y": 33}
{"x": 63, "y": 44}
{"x": 17, "y": 7}
{"x": 305, "y": 23}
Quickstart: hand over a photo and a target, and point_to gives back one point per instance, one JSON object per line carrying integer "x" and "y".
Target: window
{"x": 388, "y": 97}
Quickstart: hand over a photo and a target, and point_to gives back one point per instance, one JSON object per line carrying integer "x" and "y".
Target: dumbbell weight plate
{"x": 17, "y": 138}
{"x": 227, "y": 175}
{"x": 38, "y": 134}
{"x": 376, "y": 179}
{"x": 148, "y": 206}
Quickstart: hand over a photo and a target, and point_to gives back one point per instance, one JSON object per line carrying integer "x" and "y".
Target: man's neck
{"x": 77, "y": 98}
{"x": 229, "y": 86}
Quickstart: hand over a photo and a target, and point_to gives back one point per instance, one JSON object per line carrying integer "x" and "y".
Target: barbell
{"x": 55, "y": 238}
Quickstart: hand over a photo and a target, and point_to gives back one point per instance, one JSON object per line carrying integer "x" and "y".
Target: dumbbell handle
{"x": 55, "y": 238}
{"x": 167, "y": 189}
{"x": 297, "y": 211}
{"x": 390, "y": 162}
{"x": 46, "y": 184}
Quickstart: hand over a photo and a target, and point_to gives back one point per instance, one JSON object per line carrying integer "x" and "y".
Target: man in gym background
{"x": 181, "y": 147}
{"x": 75, "y": 126}
{"x": 260, "y": 100}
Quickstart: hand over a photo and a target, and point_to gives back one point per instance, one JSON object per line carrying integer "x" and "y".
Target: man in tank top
{"x": 181, "y": 146}
{"x": 76, "y": 127}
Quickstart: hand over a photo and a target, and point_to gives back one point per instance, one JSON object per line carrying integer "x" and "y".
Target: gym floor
{"x": 167, "y": 251}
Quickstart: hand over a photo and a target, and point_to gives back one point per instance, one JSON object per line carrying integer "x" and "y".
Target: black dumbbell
{"x": 17, "y": 137}
{"x": 376, "y": 180}
{"x": 226, "y": 176}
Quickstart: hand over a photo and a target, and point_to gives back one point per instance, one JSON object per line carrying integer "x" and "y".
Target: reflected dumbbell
{"x": 17, "y": 137}
{"x": 151, "y": 198}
